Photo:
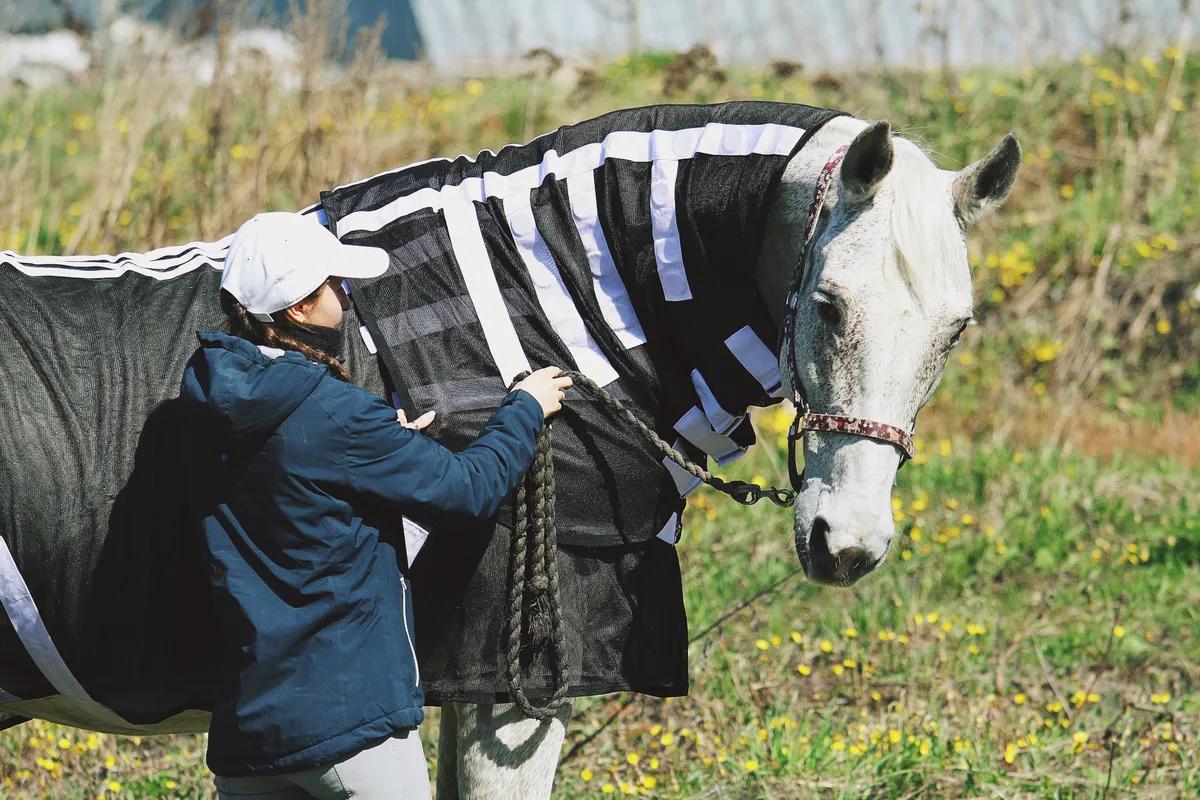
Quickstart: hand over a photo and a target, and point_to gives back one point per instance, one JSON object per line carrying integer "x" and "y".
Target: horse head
{"x": 883, "y": 295}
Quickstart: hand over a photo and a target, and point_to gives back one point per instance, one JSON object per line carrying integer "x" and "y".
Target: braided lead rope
{"x": 536, "y": 554}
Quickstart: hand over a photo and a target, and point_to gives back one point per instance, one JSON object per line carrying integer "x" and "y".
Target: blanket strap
{"x": 31, "y": 629}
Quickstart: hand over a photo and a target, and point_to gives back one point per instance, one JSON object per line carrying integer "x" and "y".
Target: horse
{"x": 870, "y": 305}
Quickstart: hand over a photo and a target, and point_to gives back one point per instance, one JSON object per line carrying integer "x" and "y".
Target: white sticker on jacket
{"x": 414, "y": 539}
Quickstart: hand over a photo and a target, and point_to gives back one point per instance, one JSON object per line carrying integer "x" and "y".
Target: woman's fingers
{"x": 420, "y": 423}
{"x": 424, "y": 421}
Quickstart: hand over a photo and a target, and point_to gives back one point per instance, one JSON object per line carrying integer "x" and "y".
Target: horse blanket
{"x": 622, "y": 247}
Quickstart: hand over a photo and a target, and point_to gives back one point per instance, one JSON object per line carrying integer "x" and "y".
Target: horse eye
{"x": 827, "y": 310}
{"x": 959, "y": 332}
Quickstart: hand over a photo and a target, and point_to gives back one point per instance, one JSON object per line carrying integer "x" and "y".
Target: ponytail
{"x": 276, "y": 334}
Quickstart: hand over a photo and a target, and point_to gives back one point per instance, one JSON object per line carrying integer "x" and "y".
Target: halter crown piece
{"x": 806, "y": 419}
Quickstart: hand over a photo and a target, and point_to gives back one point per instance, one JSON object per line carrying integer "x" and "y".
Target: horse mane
{"x": 928, "y": 239}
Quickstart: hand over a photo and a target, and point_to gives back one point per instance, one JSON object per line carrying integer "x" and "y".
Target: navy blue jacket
{"x": 298, "y": 480}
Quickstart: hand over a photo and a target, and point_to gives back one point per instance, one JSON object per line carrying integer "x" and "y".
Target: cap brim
{"x": 357, "y": 261}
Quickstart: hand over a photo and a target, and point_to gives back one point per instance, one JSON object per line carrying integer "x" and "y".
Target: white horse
{"x": 886, "y": 292}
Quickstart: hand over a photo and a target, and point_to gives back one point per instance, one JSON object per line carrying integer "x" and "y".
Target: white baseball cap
{"x": 278, "y": 258}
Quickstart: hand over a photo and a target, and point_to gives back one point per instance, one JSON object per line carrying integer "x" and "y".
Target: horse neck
{"x": 784, "y": 232}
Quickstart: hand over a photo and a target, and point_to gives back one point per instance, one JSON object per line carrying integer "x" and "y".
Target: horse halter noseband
{"x": 806, "y": 419}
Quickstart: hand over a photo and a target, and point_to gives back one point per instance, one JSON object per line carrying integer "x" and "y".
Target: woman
{"x": 299, "y": 479}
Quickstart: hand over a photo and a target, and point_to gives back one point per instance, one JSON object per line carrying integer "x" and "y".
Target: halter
{"x": 806, "y": 419}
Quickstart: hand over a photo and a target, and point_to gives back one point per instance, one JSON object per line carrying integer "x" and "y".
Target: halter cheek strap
{"x": 806, "y": 419}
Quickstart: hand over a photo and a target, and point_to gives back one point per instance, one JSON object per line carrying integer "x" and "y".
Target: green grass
{"x": 981, "y": 660}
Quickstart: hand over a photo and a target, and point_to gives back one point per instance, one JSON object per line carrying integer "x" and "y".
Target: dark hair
{"x": 279, "y": 333}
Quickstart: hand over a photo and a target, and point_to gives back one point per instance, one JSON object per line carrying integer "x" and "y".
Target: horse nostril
{"x": 823, "y": 562}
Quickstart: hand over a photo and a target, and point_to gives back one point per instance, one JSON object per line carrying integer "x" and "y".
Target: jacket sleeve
{"x": 397, "y": 465}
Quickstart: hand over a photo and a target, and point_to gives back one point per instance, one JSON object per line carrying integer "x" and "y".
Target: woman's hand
{"x": 419, "y": 424}
{"x": 548, "y": 386}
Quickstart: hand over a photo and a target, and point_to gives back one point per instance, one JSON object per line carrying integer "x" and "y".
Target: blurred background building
{"x": 456, "y": 35}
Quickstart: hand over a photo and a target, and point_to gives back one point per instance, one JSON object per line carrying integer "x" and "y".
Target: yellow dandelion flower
{"x": 1019, "y": 699}
{"x": 826, "y": 646}
{"x": 633, "y": 758}
{"x": 1163, "y": 326}
{"x": 1176, "y": 104}
{"x": 114, "y": 786}
{"x": 1010, "y": 753}
{"x": 655, "y": 729}
{"x": 586, "y": 774}
{"x": 905, "y": 555}
{"x": 776, "y": 640}
{"x": 608, "y": 788}
{"x": 838, "y": 745}
{"x": 750, "y": 765}
{"x": 170, "y": 784}
{"x": 1079, "y": 740}
{"x": 1160, "y": 698}
{"x": 849, "y": 663}
{"x": 796, "y": 637}
{"x": 1118, "y": 631}
{"x": 761, "y": 644}
{"x": 894, "y": 736}
{"x": 667, "y": 739}
{"x": 654, "y": 763}
{"x": 649, "y": 781}
{"x": 1067, "y": 191}
{"x": 804, "y": 669}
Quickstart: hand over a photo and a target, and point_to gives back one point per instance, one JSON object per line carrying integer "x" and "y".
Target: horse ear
{"x": 984, "y": 185}
{"x": 867, "y": 161}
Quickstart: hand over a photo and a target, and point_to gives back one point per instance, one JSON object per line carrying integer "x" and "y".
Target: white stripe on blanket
{"x": 714, "y": 139}
{"x": 552, "y": 292}
{"x": 611, "y": 294}
{"x": 31, "y": 630}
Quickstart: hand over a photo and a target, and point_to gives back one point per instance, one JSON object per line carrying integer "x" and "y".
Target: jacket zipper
{"x": 407, "y": 635}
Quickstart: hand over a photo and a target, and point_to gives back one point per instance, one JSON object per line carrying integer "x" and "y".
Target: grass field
{"x": 1033, "y": 635}
{"x": 1036, "y": 630}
